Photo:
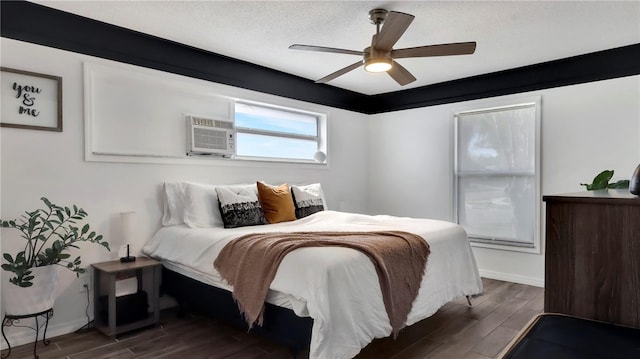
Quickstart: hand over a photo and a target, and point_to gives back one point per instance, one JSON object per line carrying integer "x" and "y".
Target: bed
{"x": 333, "y": 291}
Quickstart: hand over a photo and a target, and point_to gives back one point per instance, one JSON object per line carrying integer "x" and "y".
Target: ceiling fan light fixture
{"x": 378, "y": 65}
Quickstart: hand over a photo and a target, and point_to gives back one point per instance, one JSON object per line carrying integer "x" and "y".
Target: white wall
{"x": 586, "y": 128}
{"x": 42, "y": 163}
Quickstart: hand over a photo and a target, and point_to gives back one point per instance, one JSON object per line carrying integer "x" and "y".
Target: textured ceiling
{"x": 508, "y": 34}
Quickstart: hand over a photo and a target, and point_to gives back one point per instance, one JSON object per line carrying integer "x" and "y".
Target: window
{"x": 278, "y": 133}
{"x": 497, "y": 175}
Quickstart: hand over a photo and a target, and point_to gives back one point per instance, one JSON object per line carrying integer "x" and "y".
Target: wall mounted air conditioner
{"x": 207, "y": 136}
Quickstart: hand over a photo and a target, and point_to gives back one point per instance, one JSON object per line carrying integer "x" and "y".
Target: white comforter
{"x": 337, "y": 287}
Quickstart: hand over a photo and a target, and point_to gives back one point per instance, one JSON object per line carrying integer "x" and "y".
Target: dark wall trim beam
{"x": 29, "y": 22}
{"x": 596, "y": 66}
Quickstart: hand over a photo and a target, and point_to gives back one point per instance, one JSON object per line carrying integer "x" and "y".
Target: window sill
{"x": 526, "y": 248}
{"x": 116, "y": 157}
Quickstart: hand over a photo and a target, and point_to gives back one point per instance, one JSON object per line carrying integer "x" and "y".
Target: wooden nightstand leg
{"x": 139, "y": 276}
{"x": 112, "y": 304}
{"x": 156, "y": 294}
{"x": 96, "y": 297}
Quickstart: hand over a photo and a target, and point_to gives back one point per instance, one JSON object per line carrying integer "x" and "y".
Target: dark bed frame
{"x": 280, "y": 324}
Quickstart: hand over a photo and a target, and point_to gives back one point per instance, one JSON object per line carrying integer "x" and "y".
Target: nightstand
{"x": 106, "y": 306}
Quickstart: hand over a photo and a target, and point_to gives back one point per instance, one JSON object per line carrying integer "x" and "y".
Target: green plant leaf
{"x": 8, "y": 267}
{"x": 8, "y": 257}
{"x": 60, "y": 215}
{"x": 621, "y": 184}
{"x": 48, "y": 224}
{"x": 46, "y": 202}
{"x": 588, "y": 185}
{"x": 601, "y": 181}
{"x": 85, "y": 228}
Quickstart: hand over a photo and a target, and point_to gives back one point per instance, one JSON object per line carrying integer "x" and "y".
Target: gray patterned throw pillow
{"x": 308, "y": 199}
{"x": 239, "y": 206}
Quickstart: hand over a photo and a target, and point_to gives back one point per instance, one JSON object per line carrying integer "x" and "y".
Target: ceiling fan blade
{"x": 393, "y": 27}
{"x": 339, "y": 72}
{"x": 325, "y": 49}
{"x": 400, "y": 74}
{"x": 459, "y": 48}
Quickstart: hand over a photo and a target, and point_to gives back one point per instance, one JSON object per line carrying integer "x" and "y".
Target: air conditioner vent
{"x": 211, "y": 123}
{"x": 206, "y": 138}
{"x": 209, "y": 136}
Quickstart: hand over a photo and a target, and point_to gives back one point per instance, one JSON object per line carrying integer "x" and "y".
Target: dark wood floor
{"x": 455, "y": 331}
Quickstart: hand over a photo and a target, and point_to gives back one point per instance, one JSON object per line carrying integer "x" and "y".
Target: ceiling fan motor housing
{"x": 377, "y": 16}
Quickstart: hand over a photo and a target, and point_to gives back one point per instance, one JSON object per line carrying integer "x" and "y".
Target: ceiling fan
{"x": 380, "y": 56}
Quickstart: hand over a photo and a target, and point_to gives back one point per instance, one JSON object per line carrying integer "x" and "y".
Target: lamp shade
{"x": 127, "y": 222}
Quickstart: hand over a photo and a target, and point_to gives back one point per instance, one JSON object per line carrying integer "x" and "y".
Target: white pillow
{"x": 201, "y": 206}
{"x": 173, "y": 203}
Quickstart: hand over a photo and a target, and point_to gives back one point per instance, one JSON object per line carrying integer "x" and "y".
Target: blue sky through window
{"x": 262, "y": 118}
{"x": 270, "y": 123}
{"x": 275, "y": 147}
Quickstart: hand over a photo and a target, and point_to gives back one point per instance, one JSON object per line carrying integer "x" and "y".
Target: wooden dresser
{"x": 592, "y": 267}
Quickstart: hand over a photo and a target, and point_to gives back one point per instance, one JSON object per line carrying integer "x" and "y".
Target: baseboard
{"x": 514, "y": 278}
{"x": 19, "y": 336}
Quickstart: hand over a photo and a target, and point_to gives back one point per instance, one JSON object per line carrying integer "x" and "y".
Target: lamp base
{"x": 634, "y": 184}
{"x": 127, "y": 259}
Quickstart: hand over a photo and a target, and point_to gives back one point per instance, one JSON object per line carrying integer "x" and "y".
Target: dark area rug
{"x": 562, "y": 337}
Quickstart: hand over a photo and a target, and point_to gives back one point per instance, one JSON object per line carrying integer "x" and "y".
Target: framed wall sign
{"x": 30, "y": 100}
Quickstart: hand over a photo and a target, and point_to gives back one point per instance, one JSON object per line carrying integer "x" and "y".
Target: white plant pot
{"x": 30, "y": 300}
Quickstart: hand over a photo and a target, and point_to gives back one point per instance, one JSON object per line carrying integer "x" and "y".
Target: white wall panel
{"x": 141, "y": 112}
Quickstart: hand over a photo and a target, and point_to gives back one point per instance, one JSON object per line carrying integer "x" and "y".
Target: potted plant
{"x": 49, "y": 234}
{"x": 601, "y": 181}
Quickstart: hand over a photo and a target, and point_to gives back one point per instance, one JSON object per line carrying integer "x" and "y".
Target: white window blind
{"x": 496, "y": 174}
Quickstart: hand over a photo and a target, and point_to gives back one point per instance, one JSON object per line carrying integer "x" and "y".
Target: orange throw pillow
{"x": 276, "y": 202}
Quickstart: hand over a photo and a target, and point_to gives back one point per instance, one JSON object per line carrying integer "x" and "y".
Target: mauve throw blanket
{"x": 249, "y": 263}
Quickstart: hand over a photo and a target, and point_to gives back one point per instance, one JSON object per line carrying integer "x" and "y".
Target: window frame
{"x": 320, "y": 138}
{"x": 495, "y": 243}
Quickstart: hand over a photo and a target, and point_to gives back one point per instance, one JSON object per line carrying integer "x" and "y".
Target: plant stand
{"x": 11, "y": 320}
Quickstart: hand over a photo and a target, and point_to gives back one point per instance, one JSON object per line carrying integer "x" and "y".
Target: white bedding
{"x": 336, "y": 286}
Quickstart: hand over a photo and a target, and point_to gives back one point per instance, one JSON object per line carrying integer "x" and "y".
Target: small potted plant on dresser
{"x": 49, "y": 235}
